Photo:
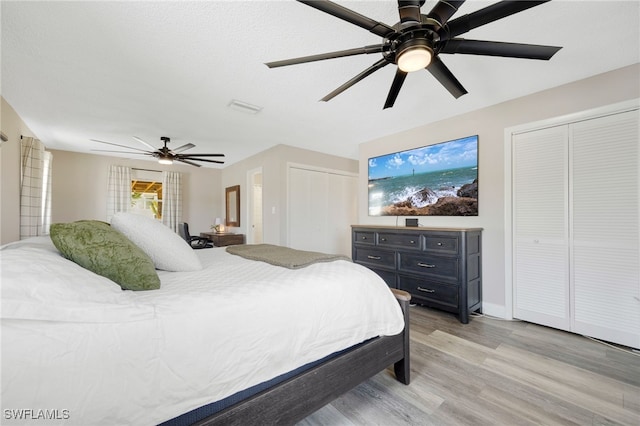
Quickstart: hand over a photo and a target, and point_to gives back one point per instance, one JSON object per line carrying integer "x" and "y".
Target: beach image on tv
{"x": 435, "y": 180}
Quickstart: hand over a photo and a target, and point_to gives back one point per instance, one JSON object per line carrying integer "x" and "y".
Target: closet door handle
{"x": 426, "y": 290}
{"x": 426, "y": 265}
{"x": 374, "y": 257}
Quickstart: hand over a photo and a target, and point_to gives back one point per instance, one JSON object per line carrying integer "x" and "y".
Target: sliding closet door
{"x": 322, "y": 208}
{"x": 308, "y": 221}
{"x": 604, "y": 189}
{"x": 540, "y": 227}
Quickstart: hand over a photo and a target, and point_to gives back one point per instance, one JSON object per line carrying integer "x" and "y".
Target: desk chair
{"x": 194, "y": 242}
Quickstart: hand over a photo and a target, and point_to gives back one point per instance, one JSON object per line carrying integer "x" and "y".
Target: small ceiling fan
{"x": 416, "y": 41}
{"x": 164, "y": 154}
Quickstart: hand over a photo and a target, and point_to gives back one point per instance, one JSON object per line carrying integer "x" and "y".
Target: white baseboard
{"x": 493, "y": 310}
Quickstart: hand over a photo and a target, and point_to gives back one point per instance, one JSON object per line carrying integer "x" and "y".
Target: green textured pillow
{"x": 96, "y": 246}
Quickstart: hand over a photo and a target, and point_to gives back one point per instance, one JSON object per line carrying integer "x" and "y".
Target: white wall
{"x": 489, "y": 123}
{"x": 274, "y": 184}
{"x": 79, "y": 188}
{"x": 12, "y": 126}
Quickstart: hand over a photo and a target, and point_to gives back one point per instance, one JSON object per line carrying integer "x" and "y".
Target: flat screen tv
{"x": 434, "y": 180}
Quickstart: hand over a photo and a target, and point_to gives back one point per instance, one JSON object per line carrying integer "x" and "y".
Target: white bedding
{"x": 141, "y": 358}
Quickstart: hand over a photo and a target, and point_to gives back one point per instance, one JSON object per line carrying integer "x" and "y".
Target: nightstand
{"x": 221, "y": 240}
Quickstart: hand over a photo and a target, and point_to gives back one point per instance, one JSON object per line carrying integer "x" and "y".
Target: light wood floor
{"x": 492, "y": 372}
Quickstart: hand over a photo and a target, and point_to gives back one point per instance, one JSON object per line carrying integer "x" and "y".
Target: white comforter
{"x": 78, "y": 350}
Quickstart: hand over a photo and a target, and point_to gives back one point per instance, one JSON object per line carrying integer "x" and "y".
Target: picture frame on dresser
{"x": 440, "y": 267}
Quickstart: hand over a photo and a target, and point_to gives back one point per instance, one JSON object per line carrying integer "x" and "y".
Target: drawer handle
{"x": 383, "y": 239}
{"x": 374, "y": 257}
{"x": 364, "y": 238}
{"x": 426, "y": 290}
{"x": 426, "y": 265}
{"x": 412, "y": 242}
{"x": 440, "y": 244}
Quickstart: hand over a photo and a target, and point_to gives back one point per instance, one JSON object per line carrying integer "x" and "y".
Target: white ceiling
{"x": 76, "y": 71}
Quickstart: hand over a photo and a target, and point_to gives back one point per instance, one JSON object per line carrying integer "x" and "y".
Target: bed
{"x": 232, "y": 342}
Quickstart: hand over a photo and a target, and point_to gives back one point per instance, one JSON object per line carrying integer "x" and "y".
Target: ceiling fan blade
{"x": 350, "y": 16}
{"x": 187, "y": 161}
{"x": 497, "y": 48}
{"x": 377, "y": 48}
{"x": 201, "y": 155}
{"x": 181, "y": 158}
{"x": 487, "y": 15}
{"x": 440, "y": 71}
{"x": 444, "y": 10}
{"x": 121, "y": 146}
{"x": 395, "y": 88}
{"x": 183, "y": 148}
{"x": 123, "y": 152}
{"x": 366, "y": 73}
{"x": 152, "y": 148}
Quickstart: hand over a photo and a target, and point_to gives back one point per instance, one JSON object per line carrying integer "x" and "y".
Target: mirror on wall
{"x": 232, "y": 202}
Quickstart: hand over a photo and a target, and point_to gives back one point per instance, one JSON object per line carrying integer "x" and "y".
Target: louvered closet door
{"x": 604, "y": 190}
{"x": 322, "y": 207}
{"x": 540, "y": 227}
{"x": 308, "y": 195}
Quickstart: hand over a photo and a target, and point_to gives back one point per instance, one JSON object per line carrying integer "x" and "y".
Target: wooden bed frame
{"x": 294, "y": 399}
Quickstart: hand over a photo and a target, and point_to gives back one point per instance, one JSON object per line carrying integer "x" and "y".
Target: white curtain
{"x": 171, "y": 199}
{"x": 118, "y": 190}
{"x": 46, "y": 192}
{"x": 35, "y": 189}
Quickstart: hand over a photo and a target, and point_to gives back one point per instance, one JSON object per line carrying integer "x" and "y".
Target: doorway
{"x": 254, "y": 206}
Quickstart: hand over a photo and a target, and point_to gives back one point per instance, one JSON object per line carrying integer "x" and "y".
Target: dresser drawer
{"x": 442, "y": 268}
{"x": 406, "y": 241}
{"x": 441, "y": 244}
{"x": 375, "y": 257}
{"x": 424, "y": 289}
{"x": 361, "y": 237}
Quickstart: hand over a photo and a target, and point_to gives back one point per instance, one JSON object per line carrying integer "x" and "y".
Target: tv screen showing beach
{"x": 434, "y": 180}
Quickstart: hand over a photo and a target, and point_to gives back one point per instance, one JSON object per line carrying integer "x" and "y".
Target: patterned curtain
{"x": 171, "y": 199}
{"x": 118, "y": 190}
{"x": 35, "y": 206}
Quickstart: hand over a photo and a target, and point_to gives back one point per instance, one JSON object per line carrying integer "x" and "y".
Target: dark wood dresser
{"x": 221, "y": 240}
{"x": 440, "y": 267}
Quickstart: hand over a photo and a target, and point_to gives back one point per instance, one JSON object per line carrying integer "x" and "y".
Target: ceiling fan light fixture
{"x": 414, "y": 58}
{"x": 165, "y": 160}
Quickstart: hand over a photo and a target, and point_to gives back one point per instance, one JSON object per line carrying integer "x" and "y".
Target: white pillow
{"x": 167, "y": 250}
{"x": 39, "y": 284}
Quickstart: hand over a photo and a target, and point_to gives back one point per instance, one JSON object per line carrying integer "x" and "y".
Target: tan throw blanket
{"x": 283, "y": 256}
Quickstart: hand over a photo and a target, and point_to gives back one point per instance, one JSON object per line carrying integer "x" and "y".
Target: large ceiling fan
{"x": 417, "y": 41}
{"x": 164, "y": 154}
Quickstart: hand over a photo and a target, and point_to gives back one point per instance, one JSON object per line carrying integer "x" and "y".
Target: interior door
{"x": 255, "y": 215}
{"x": 322, "y": 208}
{"x": 605, "y": 186}
{"x": 540, "y": 227}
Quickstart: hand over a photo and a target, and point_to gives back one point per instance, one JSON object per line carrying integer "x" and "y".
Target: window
{"x": 146, "y": 198}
